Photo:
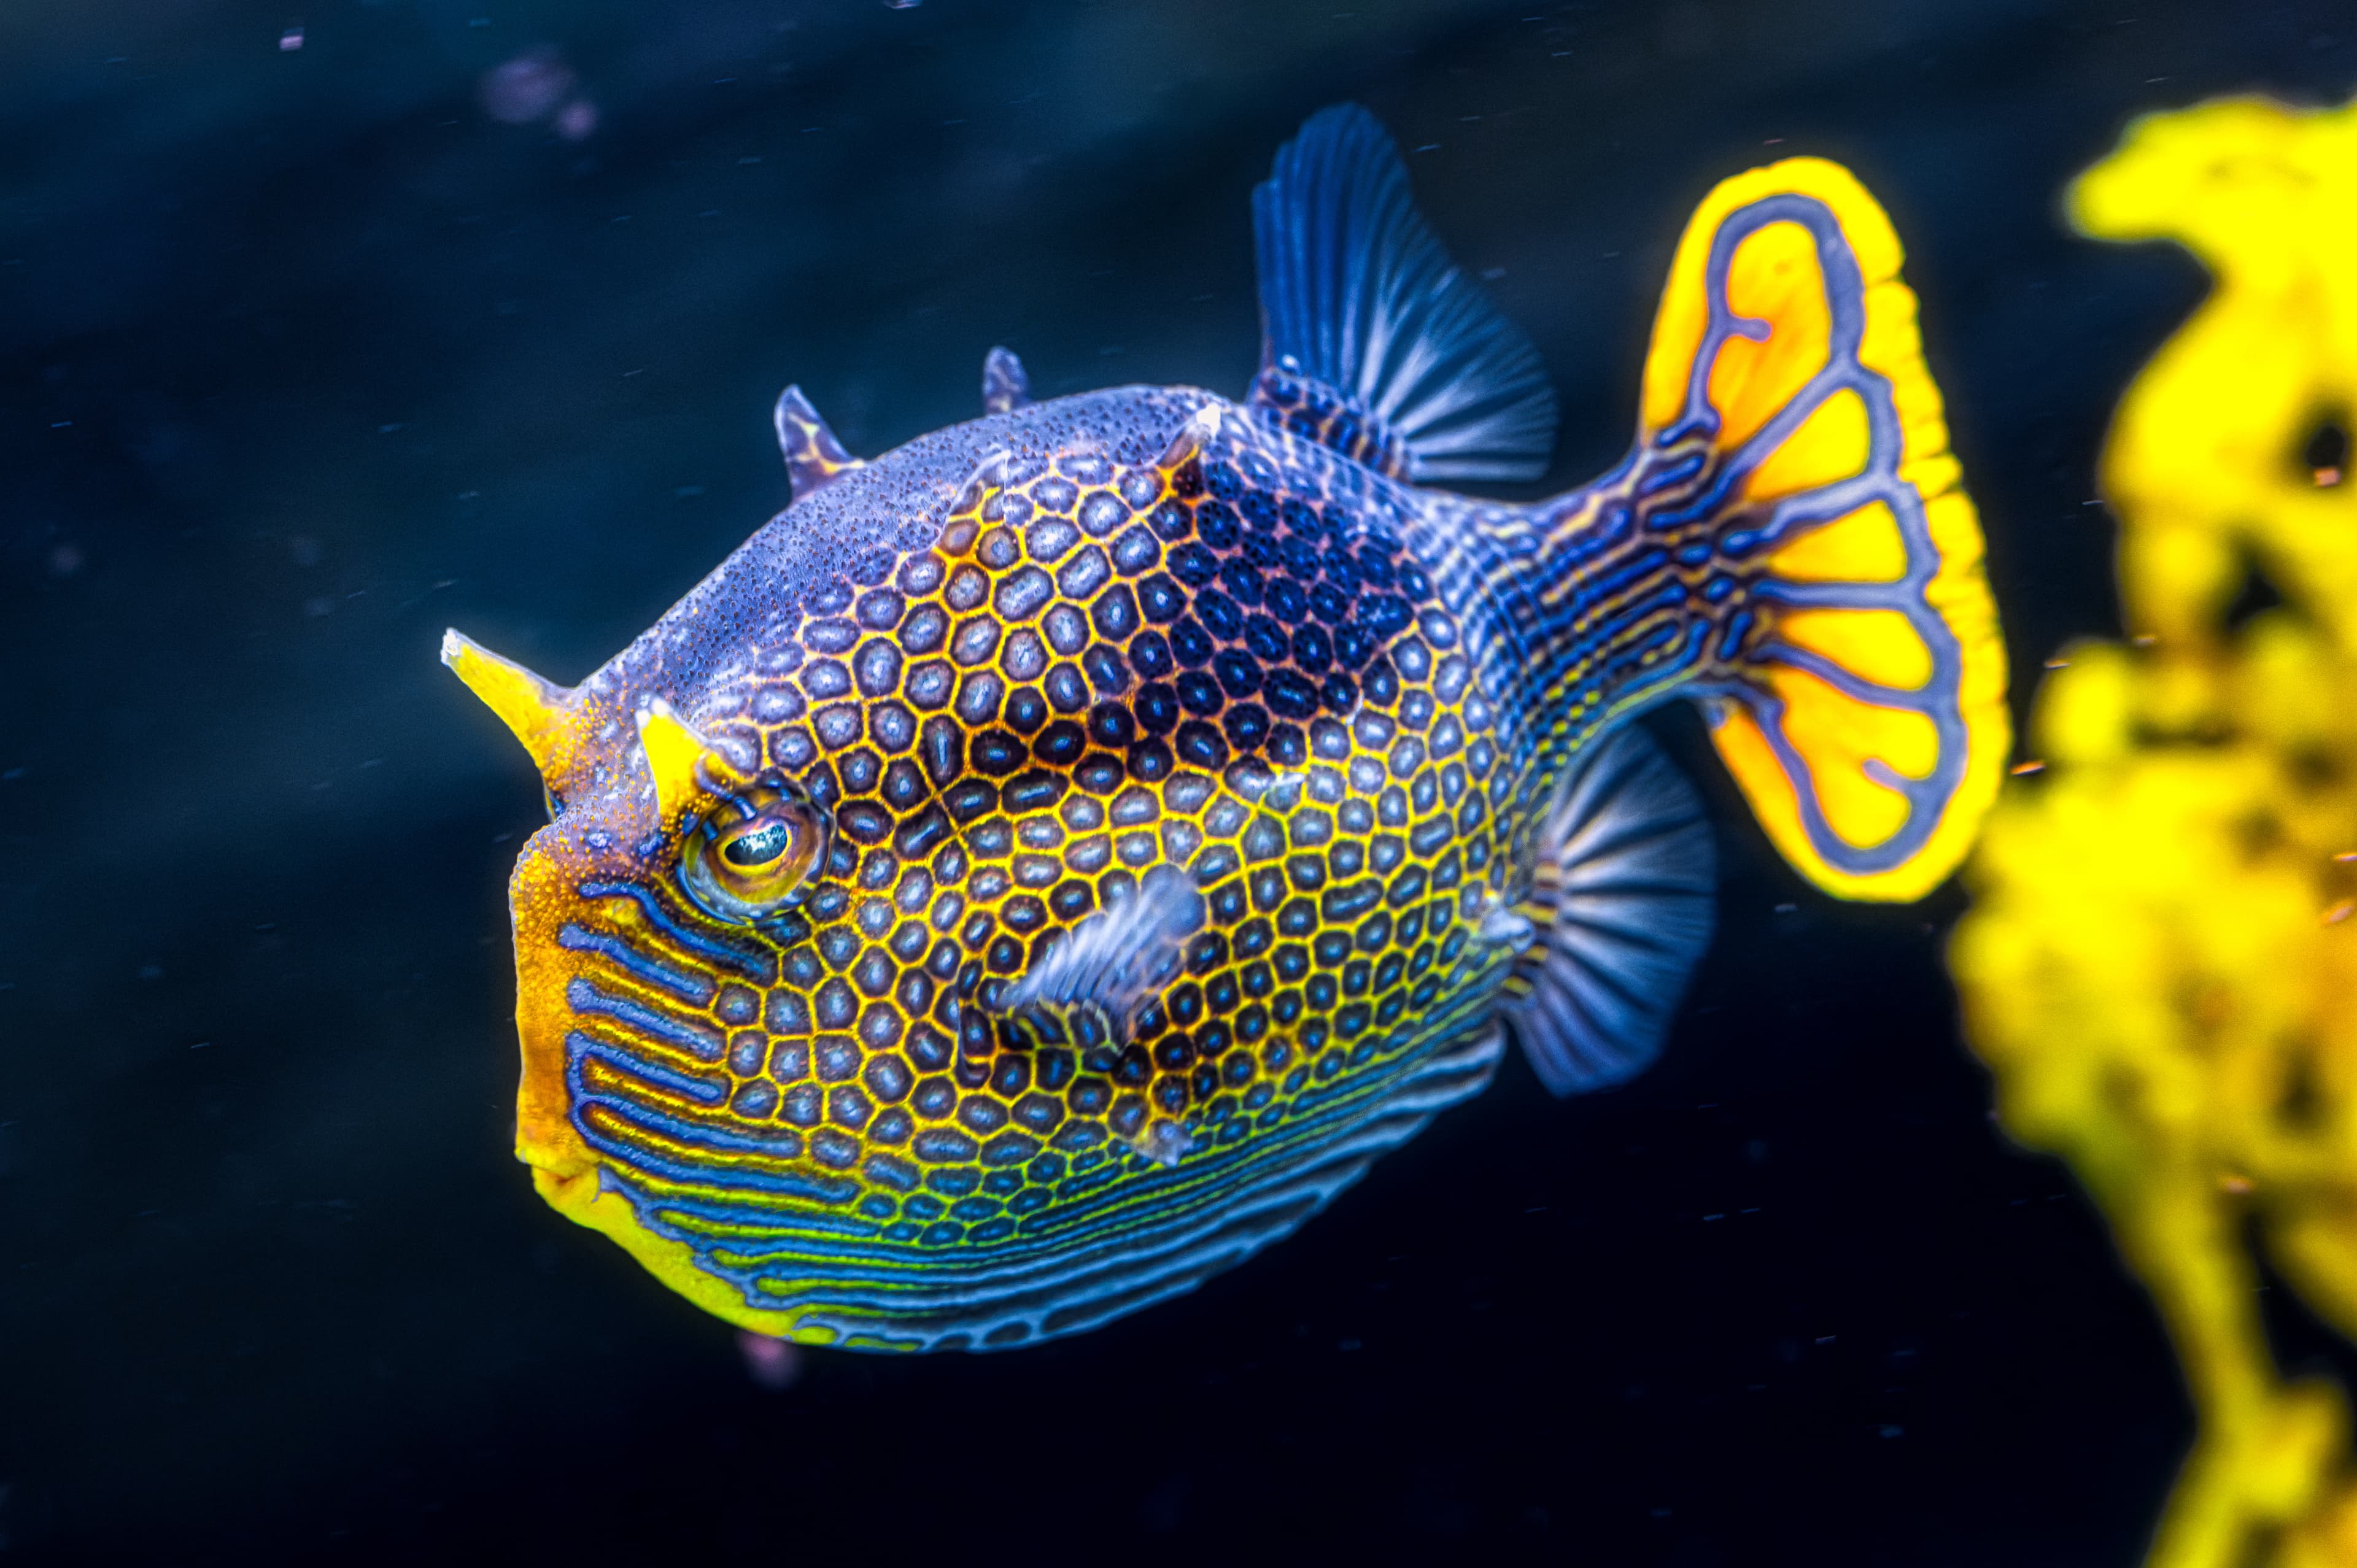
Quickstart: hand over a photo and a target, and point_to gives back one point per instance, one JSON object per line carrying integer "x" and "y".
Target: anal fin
{"x": 1623, "y": 903}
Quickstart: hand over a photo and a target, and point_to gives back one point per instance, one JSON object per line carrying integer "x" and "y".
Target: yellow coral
{"x": 2160, "y": 966}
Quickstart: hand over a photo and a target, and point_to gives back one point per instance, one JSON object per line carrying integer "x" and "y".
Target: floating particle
{"x": 528, "y": 87}
{"x": 576, "y": 120}
{"x": 774, "y": 1364}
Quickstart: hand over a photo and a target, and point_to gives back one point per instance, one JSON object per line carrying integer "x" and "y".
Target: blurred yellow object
{"x": 2160, "y": 966}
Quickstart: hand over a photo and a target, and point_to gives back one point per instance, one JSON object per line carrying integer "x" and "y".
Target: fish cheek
{"x": 615, "y": 990}
{"x": 545, "y": 902}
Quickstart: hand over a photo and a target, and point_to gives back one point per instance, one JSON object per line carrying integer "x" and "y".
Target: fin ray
{"x": 1624, "y": 900}
{"x": 1109, "y": 966}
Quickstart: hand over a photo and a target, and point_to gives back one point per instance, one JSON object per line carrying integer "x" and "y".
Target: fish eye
{"x": 754, "y": 854}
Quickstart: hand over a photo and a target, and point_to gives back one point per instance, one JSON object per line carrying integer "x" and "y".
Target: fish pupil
{"x": 757, "y": 847}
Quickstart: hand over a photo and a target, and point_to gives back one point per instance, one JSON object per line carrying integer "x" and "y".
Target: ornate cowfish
{"x": 1046, "y": 864}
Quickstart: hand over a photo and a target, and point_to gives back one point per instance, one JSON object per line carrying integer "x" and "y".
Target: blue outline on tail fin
{"x": 1358, "y": 295}
{"x": 1938, "y": 698}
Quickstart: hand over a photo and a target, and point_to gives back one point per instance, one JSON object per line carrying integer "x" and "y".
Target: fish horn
{"x": 1193, "y": 436}
{"x": 815, "y": 458}
{"x": 1005, "y": 387}
{"x": 989, "y": 476}
{"x": 674, "y": 751}
{"x": 535, "y": 710}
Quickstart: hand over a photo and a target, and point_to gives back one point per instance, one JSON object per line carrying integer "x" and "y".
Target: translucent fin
{"x": 1865, "y": 718}
{"x": 1357, "y": 297}
{"x": 1005, "y": 387}
{"x": 1623, "y": 907}
{"x": 1091, "y": 985}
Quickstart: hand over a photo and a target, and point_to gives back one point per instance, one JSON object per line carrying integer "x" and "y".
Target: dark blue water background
{"x": 303, "y": 354}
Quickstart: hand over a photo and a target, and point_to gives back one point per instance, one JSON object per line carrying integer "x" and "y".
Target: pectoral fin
{"x": 1092, "y": 986}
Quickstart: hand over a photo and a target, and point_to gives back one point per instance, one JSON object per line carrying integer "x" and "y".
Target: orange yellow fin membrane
{"x": 1861, "y": 703}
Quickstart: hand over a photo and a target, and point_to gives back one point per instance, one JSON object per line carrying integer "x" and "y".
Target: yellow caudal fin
{"x": 1858, "y": 691}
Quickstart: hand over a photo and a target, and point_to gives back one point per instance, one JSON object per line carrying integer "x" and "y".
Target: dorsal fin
{"x": 1622, "y": 903}
{"x": 1419, "y": 374}
{"x": 1005, "y": 387}
{"x": 813, "y": 457}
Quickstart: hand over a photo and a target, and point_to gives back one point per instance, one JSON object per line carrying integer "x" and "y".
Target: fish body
{"x": 1044, "y": 865}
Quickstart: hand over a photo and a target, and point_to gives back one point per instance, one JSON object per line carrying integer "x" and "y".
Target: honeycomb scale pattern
{"x": 1269, "y": 670}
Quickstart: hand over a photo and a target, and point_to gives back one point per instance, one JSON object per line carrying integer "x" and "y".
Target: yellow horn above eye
{"x": 535, "y": 710}
{"x": 672, "y": 751}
